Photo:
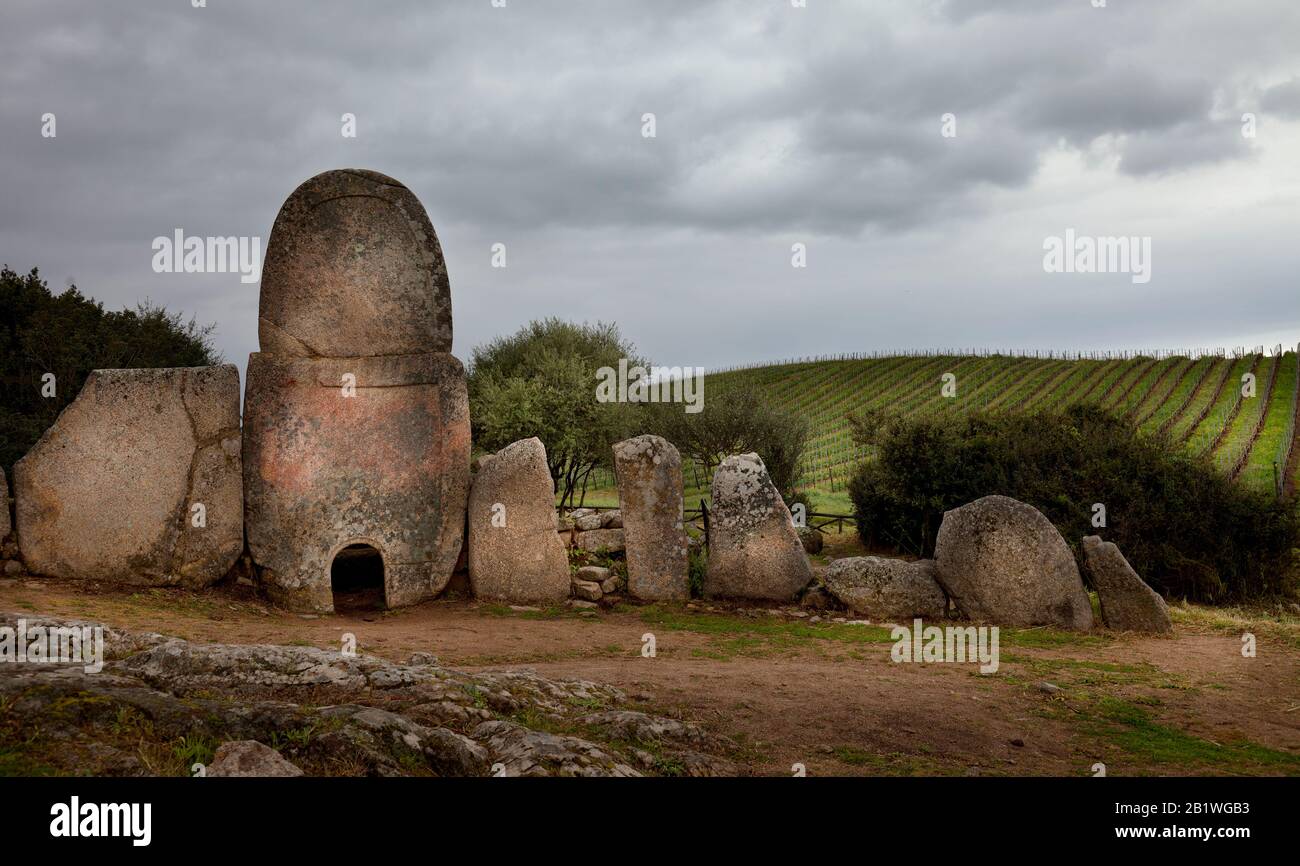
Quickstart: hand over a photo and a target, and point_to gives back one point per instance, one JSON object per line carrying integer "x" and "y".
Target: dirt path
{"x": 825, "y": 695}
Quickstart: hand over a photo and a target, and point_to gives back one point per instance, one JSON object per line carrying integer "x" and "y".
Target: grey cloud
{"x": 522, "y": 124}
{"x": 1283, "y": 99}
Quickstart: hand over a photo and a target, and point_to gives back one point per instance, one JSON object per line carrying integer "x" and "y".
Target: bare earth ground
{"x": 825, "y": 694}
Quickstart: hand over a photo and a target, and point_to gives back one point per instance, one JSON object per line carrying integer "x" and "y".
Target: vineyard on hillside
{"x": 1199, "y": 400}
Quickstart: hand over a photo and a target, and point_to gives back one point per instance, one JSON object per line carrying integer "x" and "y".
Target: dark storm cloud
{"x": 523, "y": 125}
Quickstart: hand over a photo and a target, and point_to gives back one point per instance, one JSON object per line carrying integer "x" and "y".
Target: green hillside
{"x": 1196, "y": 399}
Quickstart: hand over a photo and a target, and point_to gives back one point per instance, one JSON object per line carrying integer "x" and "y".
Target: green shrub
{"x": 736, "y": 419}
{"x": 69, "y": 335}
{"x": 541, "y": 381}
{"x": 697, "y": 567}
{"x": 1186, "y": 528}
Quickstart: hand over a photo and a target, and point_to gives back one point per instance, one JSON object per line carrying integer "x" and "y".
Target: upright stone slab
{"x": 754, "y": 548}
{"x": 356, "y": 420}
{"x": 138, "y": 481}
{"x": 1002, "y": 561}
{"x": 1127, "y": 603}
{"x": 515, "y": 554}
{"x": 649, "y": 471}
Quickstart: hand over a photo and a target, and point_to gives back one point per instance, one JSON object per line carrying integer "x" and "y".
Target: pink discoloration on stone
{"x": 388, "y": 466}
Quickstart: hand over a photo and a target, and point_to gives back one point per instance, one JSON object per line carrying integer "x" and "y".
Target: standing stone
{"x": 886, "y": 589}
{"x": 1127, "y": 603}
{"x": 356, "y": 420}
{"x": 4, "y": 513}
{"x": 754, "y": 548}
{"x": 515, "y": 554}
{"x": 1002, "y": 561}
{"x": 649, "y": 471}
{"x": 138, "y": 481}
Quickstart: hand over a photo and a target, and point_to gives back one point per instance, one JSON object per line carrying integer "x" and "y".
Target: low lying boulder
{"x": 588, "y": 522}
{"x": 886, "y": 589}
{"x": 249, "y": 759}
{"x": 1002, "y": 561}
{"x": 1127, "y": 603}
{"x": 811, "y": 539}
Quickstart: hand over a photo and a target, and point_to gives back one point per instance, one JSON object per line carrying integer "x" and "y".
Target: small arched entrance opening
{"x": 357, "y": 579}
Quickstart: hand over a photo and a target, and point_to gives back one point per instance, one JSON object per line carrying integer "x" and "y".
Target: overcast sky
{"x": 775, "y": 125}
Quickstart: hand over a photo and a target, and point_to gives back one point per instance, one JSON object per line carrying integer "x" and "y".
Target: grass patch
{"x": 741, "y": 635}
{"x": 1132, "y": 728}
{"x": 1268, "y": 624}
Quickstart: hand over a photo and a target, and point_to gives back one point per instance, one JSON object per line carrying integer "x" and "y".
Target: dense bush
{"x": 1186, "y": 528}
{"x": 69, "y": 335}
{"x": 541, "y": 381}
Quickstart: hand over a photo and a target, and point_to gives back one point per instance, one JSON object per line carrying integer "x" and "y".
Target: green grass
{"x": 1135, "y": 730}
{"x": 750, "y": 636}
{"x": 1258, "y": 471}
{"x": 1196, "y": 402}
{"x": 1172, "y": 393}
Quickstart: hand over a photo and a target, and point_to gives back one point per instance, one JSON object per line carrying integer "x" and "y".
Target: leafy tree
{"x": 1184, "y": 526}
{"x": 735, "y": 419}
{"x": 541, "y": 381}
{"x": 70, "y": 335}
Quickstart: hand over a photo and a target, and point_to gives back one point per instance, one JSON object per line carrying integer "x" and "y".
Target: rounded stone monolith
{"x": 353, "y": 268}
{"x": 1002, "y": 561}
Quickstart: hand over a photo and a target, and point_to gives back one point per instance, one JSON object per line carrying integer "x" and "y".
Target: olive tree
{"x": 542, "y": 381}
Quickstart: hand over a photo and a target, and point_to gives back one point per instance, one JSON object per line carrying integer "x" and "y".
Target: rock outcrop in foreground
{"x": 1002, "y": 561}
{"x": 330, "y": 714}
